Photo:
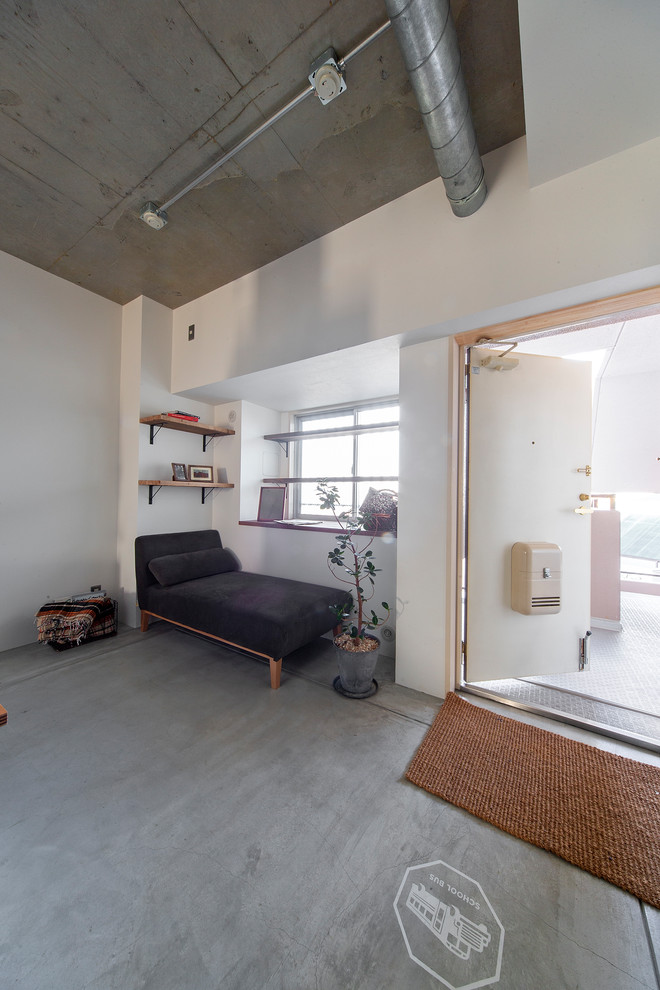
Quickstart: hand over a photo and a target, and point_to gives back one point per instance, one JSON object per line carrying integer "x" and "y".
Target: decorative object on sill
{"x": 200, "y": 472}
{"x": 355, "y": 648}
{"x": 69, "y": 623}
{"x": 380, "y": 510}
{"x": 179, "y": 472}
{"x": 271, "y": 504}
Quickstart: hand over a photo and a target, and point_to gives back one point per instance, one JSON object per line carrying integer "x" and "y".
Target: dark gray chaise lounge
{"x": 190, "y": 579}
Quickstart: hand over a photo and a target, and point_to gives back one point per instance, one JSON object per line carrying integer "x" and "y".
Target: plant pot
{"x": 356, "y": 671}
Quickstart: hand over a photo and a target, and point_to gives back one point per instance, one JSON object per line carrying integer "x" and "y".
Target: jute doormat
{"x": 599, "y": 811}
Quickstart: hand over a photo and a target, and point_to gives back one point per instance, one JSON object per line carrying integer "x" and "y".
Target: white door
{"x": 529, "y": 436}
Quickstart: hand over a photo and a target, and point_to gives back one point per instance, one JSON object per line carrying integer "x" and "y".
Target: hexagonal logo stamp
{"x": 449, "y": 926}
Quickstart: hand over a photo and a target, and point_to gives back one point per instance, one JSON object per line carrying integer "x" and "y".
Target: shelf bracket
{"x": 206, "y": 440}
{"x": 153, "y": 432}
{"x": 206, "y": 492}
{"x": 153, "y": 493}
{"x": 284, "y": 445}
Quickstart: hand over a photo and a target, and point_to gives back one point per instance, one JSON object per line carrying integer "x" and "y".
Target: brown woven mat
{"x": 599, "y": 811}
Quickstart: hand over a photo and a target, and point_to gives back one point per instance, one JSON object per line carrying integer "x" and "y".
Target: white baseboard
{"x": 612, "y": 624}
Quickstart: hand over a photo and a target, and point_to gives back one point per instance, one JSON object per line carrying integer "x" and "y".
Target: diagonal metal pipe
{"x": 427, "y": 38}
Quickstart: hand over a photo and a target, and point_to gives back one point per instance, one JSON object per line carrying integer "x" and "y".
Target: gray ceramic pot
{"x": 356, "y": 671}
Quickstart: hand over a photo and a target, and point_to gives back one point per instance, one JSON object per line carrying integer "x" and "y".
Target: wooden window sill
{"x": 312, "y": 526}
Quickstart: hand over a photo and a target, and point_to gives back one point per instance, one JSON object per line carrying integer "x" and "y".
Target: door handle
{"x": 585, "y": 470}
{"x": 583, "y": 511}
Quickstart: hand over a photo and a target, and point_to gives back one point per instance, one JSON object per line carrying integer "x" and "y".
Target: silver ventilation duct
{"x": 427, "y": 38}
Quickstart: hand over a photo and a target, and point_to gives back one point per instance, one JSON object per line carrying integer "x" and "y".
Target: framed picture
{"x": 271, "y": 504}
{"x": 179, "y": 472}
{"x": 200, "y": 472}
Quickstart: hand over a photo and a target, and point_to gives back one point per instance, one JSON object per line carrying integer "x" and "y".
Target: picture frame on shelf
{"x": 179, "y": 472}
{"x": 200, "y": 472}
{"x": 271, "y": 504}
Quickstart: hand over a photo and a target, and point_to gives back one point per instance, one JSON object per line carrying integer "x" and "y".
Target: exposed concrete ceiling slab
{"x": 105, "y": 106}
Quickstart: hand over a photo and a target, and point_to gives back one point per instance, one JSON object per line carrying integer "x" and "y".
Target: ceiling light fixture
{"x": 326, "y": 79}
{"x": 153, "y": 216}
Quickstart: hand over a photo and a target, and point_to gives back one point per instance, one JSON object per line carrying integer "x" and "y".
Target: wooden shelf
{"x": 309, "y": 481}
{"x": 207, "y": 432}
{"x": 188, "y": 484}
{"x": 335, "y": 431}
{"x": 155, "y": 484}
{"x": 284, "y": 439}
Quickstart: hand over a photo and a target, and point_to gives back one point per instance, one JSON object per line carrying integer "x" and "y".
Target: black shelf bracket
{"x": 153, "y": 493}
{"x": 155, "y": 428}
{"x": 206, "y": 493}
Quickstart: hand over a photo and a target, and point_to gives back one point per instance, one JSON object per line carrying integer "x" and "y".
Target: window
{"x": 354, "y": 458}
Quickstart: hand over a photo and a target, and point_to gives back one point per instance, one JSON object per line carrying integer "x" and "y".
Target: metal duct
{"x": 427, "y": 38}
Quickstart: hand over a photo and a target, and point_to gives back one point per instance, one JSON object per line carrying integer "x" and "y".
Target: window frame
{"x": 308, "y": 416}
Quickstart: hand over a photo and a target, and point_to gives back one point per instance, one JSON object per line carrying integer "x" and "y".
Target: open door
{"x": 529, "y": 446}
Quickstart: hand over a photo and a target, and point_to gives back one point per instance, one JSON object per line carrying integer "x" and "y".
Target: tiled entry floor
{"x": 622, "y": 687}
{"x": 170, "y": 823}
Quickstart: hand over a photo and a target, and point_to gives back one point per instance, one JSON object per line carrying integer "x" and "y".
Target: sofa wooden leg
{"x": 275, "y": 673}
{"x": 144, "y": 621}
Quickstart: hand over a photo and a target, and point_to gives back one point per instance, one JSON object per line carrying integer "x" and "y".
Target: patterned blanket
{"x": 68, "y": 623}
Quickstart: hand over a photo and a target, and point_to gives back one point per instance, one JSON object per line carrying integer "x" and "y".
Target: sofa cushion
{"x": 174, "y": 568}
{"x": 268, "y": 615}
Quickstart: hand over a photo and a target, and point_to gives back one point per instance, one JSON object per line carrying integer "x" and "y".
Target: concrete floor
{"x": 169, "y": 822}
{"x": 621, "y": 688}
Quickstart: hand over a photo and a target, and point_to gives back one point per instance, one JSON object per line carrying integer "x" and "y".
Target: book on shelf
{"x": 178, "y": 414}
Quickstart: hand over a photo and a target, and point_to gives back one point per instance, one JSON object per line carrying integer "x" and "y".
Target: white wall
{"x": 411, "y": 265}
{"x": 59, "y": 380}
{"x": 425, "y": 549}
{"x": 591, "y": 76}
{"x": 625, "y": 448}
{"x": 145, "y": 391}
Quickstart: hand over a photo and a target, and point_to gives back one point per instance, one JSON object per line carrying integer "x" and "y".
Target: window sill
{"x": 306, "y": 527}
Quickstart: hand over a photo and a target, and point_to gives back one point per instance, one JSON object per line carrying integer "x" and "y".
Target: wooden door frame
{"x": 599, "y": 312}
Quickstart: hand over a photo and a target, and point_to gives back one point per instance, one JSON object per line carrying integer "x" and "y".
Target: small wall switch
{"x": 95, "y": 587}
{"x": 191, "y": 332}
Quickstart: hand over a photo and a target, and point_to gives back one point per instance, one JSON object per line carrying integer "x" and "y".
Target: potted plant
{"x": 351, "y": 561}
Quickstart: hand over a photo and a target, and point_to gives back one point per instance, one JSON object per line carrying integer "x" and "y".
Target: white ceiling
{"x": 368, "y": 371}
{"x": 631, "y": 348}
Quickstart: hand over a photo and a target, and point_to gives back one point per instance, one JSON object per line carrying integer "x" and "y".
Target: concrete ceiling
{"x": 105, "y": 105}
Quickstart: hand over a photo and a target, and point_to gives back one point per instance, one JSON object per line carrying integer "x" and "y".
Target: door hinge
{"x": 584, "y": 652}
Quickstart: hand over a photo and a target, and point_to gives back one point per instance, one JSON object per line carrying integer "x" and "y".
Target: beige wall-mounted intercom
{"x": 535, "y": 578}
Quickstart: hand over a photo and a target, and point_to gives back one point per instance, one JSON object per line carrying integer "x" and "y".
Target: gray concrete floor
{"x": 169, "y": 822}
{"x": 621, "y": 688}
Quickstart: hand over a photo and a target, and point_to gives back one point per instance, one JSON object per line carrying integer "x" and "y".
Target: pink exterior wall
{"x": 606, "y": 565}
